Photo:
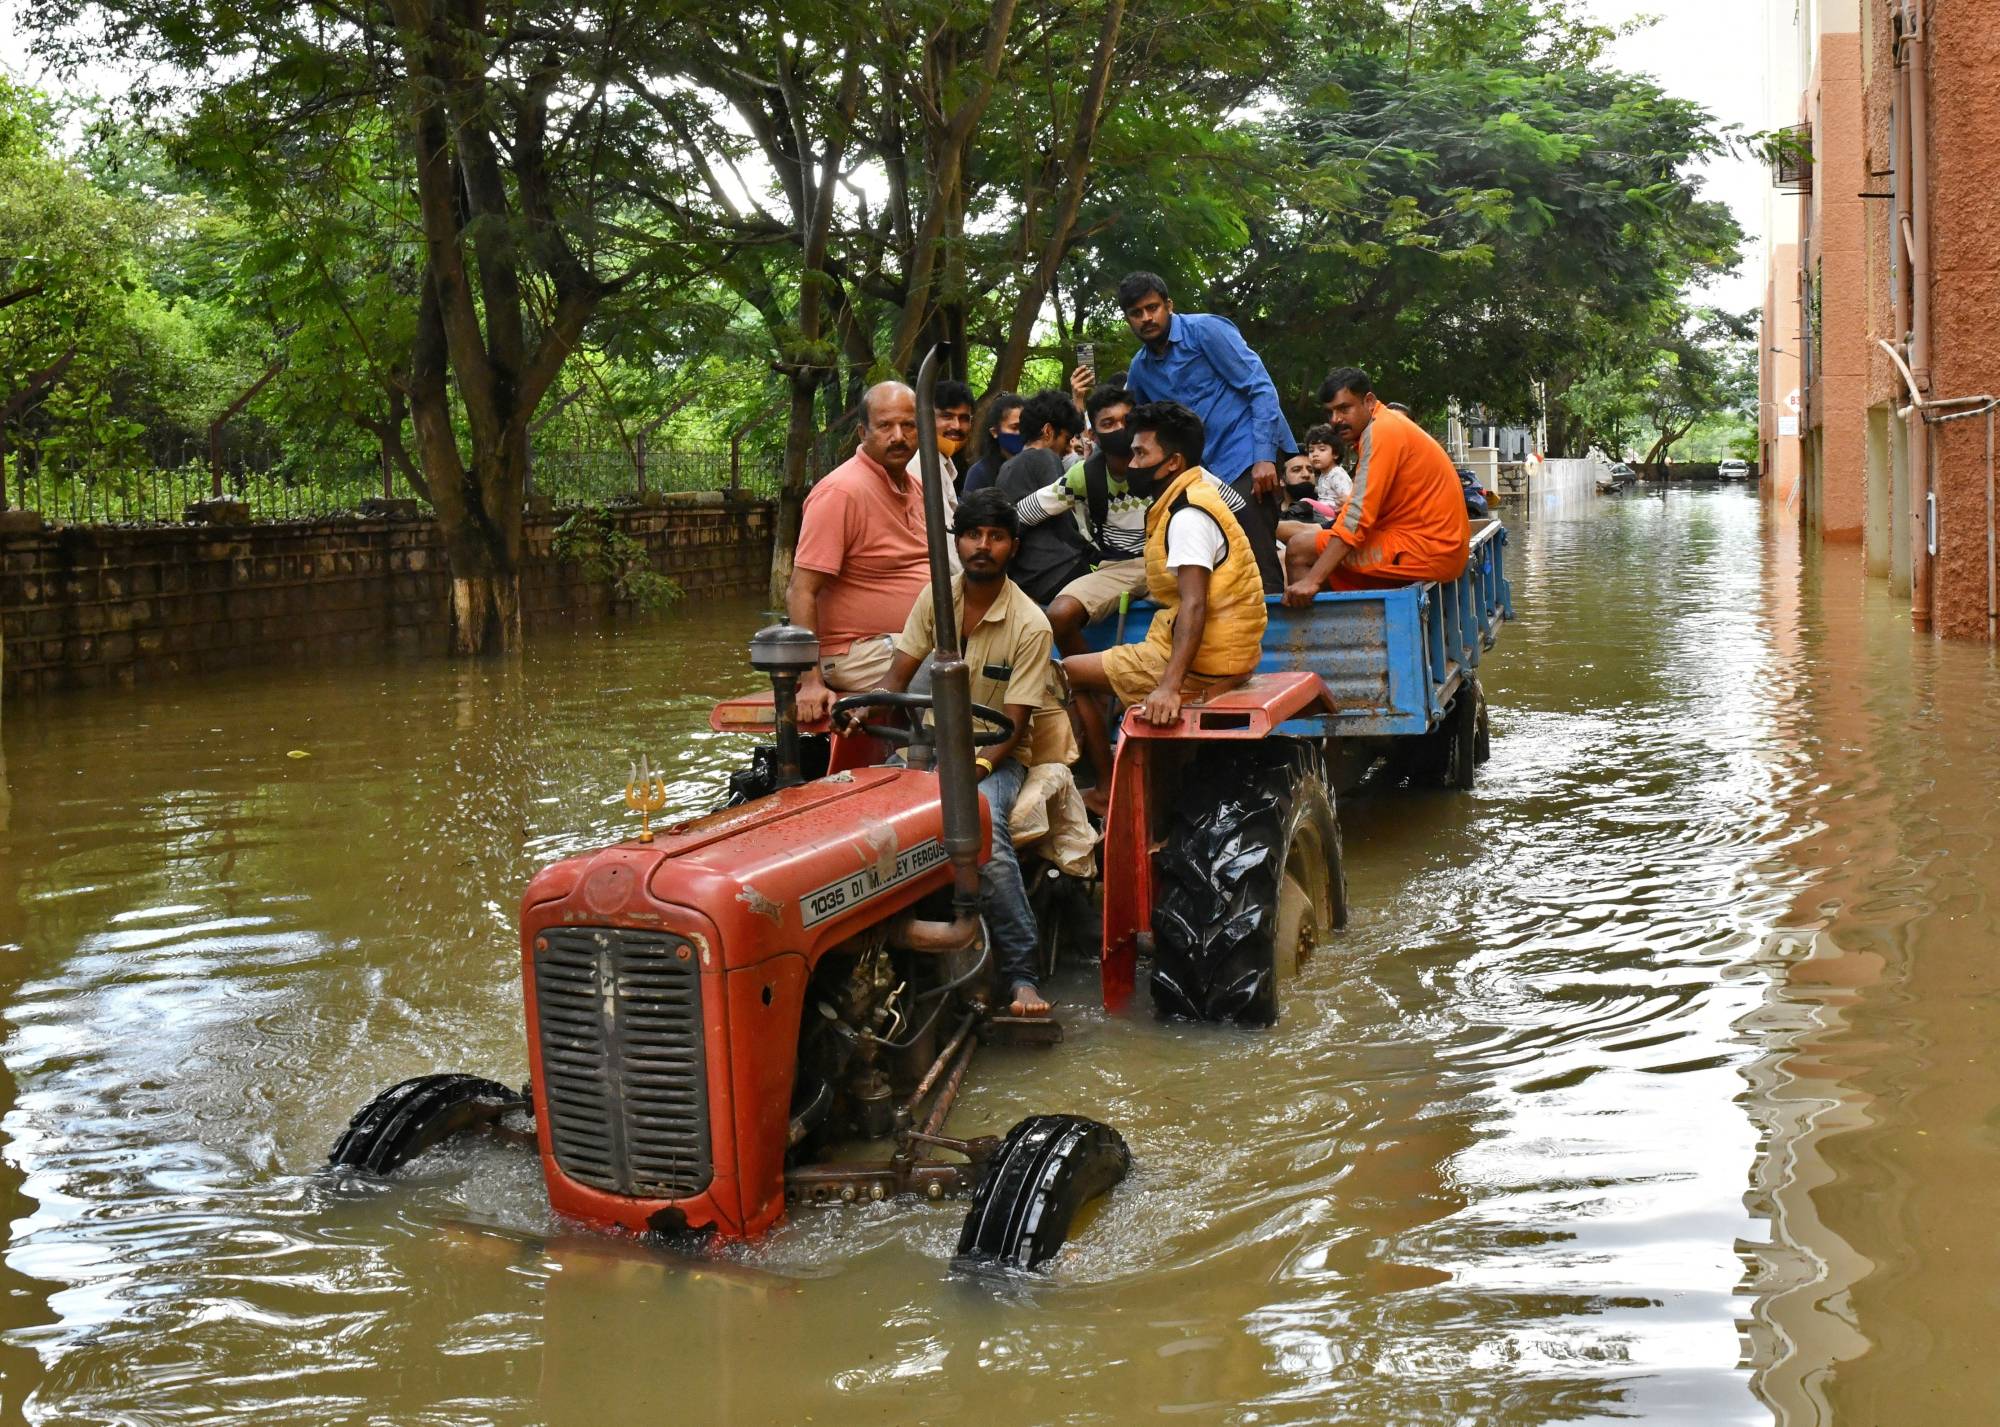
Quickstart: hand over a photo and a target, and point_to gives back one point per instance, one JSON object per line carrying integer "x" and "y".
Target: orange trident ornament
{"x": 645, "y": 794}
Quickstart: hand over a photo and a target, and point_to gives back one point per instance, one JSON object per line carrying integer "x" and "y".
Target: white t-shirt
{"x": 1193, "y": 538}
{"x": 948, "y": 468}
{"x": 1336, "y": 487}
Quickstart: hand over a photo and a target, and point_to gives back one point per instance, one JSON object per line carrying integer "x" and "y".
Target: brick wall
{"x": 92, "y": 606}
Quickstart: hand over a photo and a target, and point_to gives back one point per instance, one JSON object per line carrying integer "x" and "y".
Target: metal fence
{"x": 160, "y": 493}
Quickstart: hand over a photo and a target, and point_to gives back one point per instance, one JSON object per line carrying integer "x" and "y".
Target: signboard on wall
{"x": 1788, "y": 426}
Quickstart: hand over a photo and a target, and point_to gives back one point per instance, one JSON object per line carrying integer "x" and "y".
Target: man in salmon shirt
{"x": 1405, "y": 521}
{"x": 862, "y": 560}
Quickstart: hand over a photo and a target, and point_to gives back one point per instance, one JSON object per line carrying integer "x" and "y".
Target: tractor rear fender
{"x": 1142, "y": 775}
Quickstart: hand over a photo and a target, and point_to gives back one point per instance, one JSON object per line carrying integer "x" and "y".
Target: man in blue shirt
{"x": 1203, "y": 363}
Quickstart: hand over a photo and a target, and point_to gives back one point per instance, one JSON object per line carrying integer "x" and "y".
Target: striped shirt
{"x": 1123, "y": 534}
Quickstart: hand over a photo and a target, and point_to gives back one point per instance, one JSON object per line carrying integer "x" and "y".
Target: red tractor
{"x": 720, "y": 1016}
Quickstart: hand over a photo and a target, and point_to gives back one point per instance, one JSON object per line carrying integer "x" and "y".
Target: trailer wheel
{"x": 1461, "y": 733}
{"x": 1249, "y": 881}
{"x": 407, "y": 1119}
{"x": 1482, "y": 741}
{"x": 1045, "y": 1171}
{"x": 1447, "y": 756}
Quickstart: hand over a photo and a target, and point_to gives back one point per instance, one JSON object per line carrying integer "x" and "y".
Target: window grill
{"x": 1791, "y": 154}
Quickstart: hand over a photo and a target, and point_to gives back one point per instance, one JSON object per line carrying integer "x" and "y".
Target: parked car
{"x": 1733, "y": 471}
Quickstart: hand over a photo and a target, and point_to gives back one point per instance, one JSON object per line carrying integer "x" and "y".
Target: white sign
{"x": 837, "y": 897}
{"x": 1788, "y": 426}
{"x": 1792, "y": 402}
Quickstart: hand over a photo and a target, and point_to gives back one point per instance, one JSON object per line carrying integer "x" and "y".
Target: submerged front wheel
{"x": 1046, "y": 1170}
{"x": 407, "y": 1119}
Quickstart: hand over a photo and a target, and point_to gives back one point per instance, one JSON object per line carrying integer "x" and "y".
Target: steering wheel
{"x": 1002, "y": 726}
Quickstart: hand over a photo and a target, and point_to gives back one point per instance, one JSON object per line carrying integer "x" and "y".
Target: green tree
{"x": 1706, "y": 368}
{"x": 507, "y": 151}
{"x": 1476, "y": 192}
{"x": 66, "y": 252}
{"x": 877, "y": 181}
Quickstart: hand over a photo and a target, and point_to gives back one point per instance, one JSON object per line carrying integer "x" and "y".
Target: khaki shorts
{"x": 1134, "y": 670}
{"x": 863, "y": 667}
{"x": 1099, "y": 590}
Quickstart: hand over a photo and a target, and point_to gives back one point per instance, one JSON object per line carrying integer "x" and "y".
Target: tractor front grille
{"x": 622, "y": 1068}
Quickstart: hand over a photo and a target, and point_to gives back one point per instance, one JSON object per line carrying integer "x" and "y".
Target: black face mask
{"x": 1140, "y": 480}
{"x": 1116, "y": 444}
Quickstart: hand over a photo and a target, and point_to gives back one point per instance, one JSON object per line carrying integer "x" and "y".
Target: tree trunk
{"x": 1062, "y": 221}
{"x": 800, "y": 427}
{"x": 483, "y": 550}
{"x": 946, "y": 150}
{"x": 472, "y": 338}
{"x": 485, "y": 612}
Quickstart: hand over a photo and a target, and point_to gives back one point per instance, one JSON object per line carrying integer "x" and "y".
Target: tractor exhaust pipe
{"x": 951, "y": 682}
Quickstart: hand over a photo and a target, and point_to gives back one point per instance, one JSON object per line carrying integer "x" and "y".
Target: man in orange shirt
{"x": 1406, "y": 520}
{"x": 862, "y": 560}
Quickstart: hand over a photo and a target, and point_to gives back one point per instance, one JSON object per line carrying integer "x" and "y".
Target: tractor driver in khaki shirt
{"x": 1007, "y": 646}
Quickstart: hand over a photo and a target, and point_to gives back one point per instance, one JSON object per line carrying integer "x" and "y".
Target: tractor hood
{"x": 796, "y": 871}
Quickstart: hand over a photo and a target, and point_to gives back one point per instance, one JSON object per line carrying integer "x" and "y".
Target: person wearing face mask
{"x": 1052, "y": 552}
{"x": 1201, "y": 361}
{"x": 1002, "y": 439}
{"x": 1117, "y": 520}
{"x": 1200, "y": 569}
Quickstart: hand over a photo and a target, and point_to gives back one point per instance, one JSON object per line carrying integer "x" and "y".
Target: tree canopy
{"x": 435, "y": 236}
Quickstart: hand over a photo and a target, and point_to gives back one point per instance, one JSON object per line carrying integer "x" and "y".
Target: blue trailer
{"x": 1393, "y": 662}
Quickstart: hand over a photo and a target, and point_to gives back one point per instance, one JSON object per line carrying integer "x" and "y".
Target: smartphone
{"x": 1086, "y": 355}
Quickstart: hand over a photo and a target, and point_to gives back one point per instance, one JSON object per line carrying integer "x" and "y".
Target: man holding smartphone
{"x": 1203, "y": 363}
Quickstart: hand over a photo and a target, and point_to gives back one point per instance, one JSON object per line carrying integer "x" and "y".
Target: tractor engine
{"x": 843, "y": 1089}
{"x": 871, "y": 1030}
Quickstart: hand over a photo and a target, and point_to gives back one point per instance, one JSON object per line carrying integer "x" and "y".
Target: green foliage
{"x": 1479, "y": 197}
{"x": 591, "y": 540}
{"x": 721, "y": 223}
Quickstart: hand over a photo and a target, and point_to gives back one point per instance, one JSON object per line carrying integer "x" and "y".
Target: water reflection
{"x": 1492, "y": 1166}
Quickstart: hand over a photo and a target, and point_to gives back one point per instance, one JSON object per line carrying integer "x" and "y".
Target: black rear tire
{"x": 1046, "y": 1170}
{"x": 407, "y": 1119}
{"x": 1249, "y": 881}
{"x": 1461, "y": 731}
{"x": 1449, "y": 754}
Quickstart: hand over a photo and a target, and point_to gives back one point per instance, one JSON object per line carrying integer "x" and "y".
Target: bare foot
{"x": 1097, "y": 802}
{"x": 1028, "y": 1000}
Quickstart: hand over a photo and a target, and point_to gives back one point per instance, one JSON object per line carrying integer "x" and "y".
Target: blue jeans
{"x": 1002, "y": 895}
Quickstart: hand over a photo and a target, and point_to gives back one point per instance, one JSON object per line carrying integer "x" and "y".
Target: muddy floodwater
{"x": 1655, "y": 1079}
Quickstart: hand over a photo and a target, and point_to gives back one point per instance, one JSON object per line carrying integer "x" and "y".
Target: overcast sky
{"x": 1710, "y": 51}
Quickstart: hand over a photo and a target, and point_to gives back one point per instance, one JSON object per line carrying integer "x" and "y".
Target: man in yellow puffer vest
{"x": 1200, "y": 570}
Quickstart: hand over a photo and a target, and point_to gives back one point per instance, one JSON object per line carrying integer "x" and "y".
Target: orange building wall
{"x": 1779, "y": 379}
{"x": 1836, "y": 224}
{"x": 1965, "y": 292}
